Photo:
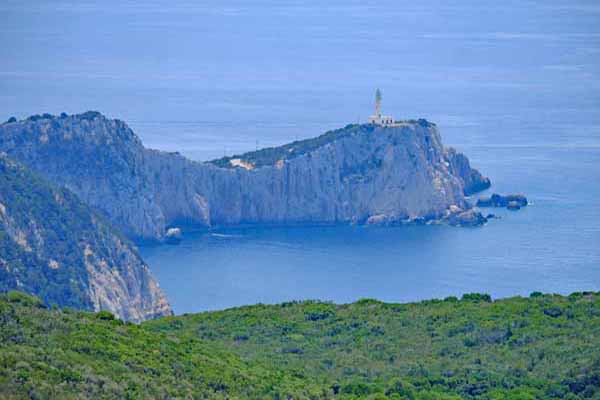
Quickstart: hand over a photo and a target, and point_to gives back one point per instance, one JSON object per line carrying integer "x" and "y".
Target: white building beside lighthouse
{"x": 378, "y": 118}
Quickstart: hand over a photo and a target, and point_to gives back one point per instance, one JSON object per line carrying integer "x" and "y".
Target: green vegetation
{"x": 542, "y": 347}
{"x": 43, "y": 232}
{"x": 47, "y": 222}
{"x": 270, "y": 155}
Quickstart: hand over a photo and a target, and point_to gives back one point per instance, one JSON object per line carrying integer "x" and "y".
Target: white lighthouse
{"x": 378, "y": 118}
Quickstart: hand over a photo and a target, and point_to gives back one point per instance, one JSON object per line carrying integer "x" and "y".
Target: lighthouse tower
{"x": 378, "y": 102}
{"x": 378, "y": 118}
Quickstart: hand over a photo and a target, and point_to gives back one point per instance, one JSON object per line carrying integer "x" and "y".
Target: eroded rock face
{"x": 472, "y": 179}
{"x": 358, "y": 174}
{"x": 53, "y": 246}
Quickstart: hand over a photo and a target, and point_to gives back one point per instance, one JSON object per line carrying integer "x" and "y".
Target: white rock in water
{"x": 379, "y": 219}
{"x": 174, "y": 233}
{"x": 454, "y": 209}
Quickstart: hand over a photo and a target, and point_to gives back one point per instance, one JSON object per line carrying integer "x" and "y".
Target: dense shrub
{"x": 477, "y": 297}
{"x": 105, "y": 315}
{"x": 432, "y": 350}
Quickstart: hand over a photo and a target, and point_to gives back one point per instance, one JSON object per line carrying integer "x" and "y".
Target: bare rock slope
{"x": 357, "y": 174}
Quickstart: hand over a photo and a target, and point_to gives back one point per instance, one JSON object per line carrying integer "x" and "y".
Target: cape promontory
{"x": 358, "y": 174}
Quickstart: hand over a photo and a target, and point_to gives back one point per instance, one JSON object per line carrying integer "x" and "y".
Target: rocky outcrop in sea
{"x": 357, "y": 174}
{"x": 510, "y": 201}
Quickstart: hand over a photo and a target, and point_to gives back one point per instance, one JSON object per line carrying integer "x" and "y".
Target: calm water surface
{"x": 515, "y": 85}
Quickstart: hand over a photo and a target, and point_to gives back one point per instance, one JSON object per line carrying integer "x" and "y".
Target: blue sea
{"x": 515, "y": 85}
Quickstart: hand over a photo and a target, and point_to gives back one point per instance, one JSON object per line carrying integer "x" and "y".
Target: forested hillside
{"x": 541, "y": 347}
{"x": 54, "y": 246}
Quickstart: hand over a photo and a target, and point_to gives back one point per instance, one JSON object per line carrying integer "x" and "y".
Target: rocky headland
{"x": 358, "y": 174}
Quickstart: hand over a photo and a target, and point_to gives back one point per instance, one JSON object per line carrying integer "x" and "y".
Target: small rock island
{"x": 510, "y": 201}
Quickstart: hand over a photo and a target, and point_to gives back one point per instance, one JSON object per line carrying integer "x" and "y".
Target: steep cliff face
{"x": 53, "y": 246}
{"x": 472, "y": 180}
{"x": 362, "y": 174}
{"x": 358, "y": 174}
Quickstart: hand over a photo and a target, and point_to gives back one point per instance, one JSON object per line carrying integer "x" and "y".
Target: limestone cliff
{"x": 472, "y": 180}
{"x": 53, "y": 246}
{"x": 100, "y": 160}
{"x": 358, "y": 174}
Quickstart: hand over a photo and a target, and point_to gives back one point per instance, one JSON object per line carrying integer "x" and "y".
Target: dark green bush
{"x": 105, "y": 315}
{"x": 476, "y": 297}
